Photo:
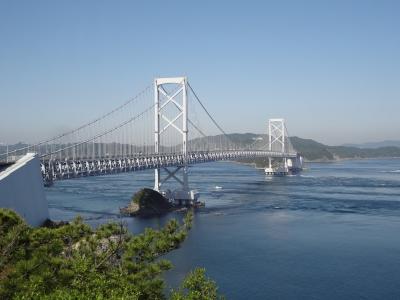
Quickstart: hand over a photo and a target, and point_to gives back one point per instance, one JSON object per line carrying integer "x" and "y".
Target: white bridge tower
{"x": 178, "y": 100}
{"x": 276, "y": 134}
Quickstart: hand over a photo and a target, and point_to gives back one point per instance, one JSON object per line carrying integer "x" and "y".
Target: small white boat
{"x": 217, "y": 187}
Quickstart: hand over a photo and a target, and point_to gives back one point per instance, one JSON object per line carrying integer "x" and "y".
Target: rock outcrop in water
{"x": 147, "y": 203}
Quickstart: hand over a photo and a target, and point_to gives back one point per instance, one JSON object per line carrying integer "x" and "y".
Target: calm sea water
{"x": 331, "y": 233}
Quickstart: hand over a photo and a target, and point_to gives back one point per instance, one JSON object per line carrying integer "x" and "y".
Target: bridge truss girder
{"x": 53, "y": 170}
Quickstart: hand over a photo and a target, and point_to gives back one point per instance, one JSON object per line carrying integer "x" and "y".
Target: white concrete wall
{"x": 21, "y": 189}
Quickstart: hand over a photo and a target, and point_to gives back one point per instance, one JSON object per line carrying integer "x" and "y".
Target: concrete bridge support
{"x": 21, "y": 189}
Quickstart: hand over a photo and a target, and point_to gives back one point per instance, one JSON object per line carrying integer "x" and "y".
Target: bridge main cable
{"x": 101, "y": 134}
{"x": 102, "y": 117}
{"x": 209, "y": 115}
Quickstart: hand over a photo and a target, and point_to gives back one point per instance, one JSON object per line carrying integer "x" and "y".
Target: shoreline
{"x": 349, "y": 158}
{"x": 254, "y": 164}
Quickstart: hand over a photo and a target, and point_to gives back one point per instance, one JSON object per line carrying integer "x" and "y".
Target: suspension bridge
{"x": 165, "y": 127}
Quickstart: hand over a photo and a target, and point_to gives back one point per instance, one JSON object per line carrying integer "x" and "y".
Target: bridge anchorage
{"x": 163, "y": 130}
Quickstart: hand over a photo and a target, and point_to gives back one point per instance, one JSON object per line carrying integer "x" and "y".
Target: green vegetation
{"x": 311, "y": 150}
{"x": 197, "y": 286}
{"x": 149, "y": 199}
{"x": 74, "y": 261}
{"x": 146, "y": 203}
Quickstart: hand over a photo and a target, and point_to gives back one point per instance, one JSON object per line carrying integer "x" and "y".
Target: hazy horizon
{"x": 332, "y": 70}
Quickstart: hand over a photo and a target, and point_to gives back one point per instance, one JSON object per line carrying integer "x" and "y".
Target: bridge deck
{"x": 58, "y": 170}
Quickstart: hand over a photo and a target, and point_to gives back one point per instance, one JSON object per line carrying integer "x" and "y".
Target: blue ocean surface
{"x": 332, "y": 232}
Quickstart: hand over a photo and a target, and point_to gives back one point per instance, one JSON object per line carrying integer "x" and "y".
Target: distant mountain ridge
{"x": 314, "y": 151}
{"x": 386, "y": 143}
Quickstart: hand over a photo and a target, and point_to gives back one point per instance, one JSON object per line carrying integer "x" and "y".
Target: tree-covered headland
{"x": 75, "y": 261}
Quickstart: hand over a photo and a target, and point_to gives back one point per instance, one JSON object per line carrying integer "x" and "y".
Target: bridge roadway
{"x": 64, "y": 169}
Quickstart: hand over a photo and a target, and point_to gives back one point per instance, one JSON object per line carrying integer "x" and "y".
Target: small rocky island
{"x": 147, "y": 203}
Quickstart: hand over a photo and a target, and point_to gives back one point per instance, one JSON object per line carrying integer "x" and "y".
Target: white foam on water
{"x": 391, "y": 171}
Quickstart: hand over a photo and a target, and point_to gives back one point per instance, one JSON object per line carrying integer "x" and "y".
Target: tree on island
{"x": 74, "y": 261}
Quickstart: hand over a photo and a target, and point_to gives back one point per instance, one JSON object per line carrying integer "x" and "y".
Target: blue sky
{"x": 330, "y": 68}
